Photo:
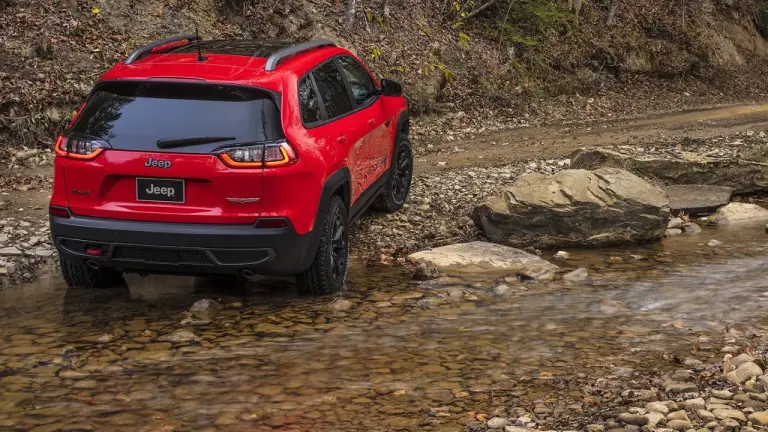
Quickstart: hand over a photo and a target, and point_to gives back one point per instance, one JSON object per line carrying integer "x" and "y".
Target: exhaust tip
{"x": 247, "y": 274}
{"x": 92, "y": 264}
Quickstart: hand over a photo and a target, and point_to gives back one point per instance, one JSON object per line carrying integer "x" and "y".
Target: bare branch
{"x": 477, "y": 11}
{"x": 349, "y": 18}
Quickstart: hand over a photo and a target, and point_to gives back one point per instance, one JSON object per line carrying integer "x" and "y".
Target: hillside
{"x": 509, "y": 59}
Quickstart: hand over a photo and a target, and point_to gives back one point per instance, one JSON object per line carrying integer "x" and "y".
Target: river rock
{"x": 179, "y": 336}
{"x": 486, "y": 257}
{"x": 725, "y": 394}
{"x": 205, "y": 309}
{"x": 579, "y": 275}
{"x": 340, "y": 305}
{"x": 690, "y": 169}
{"x": 657, "y": 407}
{"x": 759, "y": 418}
{"x": 693, "y": 199}
{"x": 10, "y": 251}
{"x": 497, "y": 423}
{"x": 673, "y": 232}
{"x": 729, "y": 413}
{"x": 705, "y": 415}
{"x": 608, "y": 206}
{"x": 691, "y": 229}
{"x": 425, "y": 271}
{"x": 743, "y": 373}
{"x": 633, "y": 419}
{"x": 735, "y": 213}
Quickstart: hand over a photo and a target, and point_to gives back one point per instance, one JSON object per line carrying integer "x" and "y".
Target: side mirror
{"x": 391, "y": 88}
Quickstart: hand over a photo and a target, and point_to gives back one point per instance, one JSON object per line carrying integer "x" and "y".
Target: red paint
{"x": 362, "y": 142}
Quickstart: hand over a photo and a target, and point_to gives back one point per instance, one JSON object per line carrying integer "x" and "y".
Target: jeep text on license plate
{"x": 160, "y": 190}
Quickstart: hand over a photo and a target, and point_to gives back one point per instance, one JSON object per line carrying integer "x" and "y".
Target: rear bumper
{"x": 175, "y": 248}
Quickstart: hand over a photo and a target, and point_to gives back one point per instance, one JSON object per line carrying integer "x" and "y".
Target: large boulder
{"x": 486, "y": 257}
{"x": 575, "y": 208}
{"x": 744, "y": 176}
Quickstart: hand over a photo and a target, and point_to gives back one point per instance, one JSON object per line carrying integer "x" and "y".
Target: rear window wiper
{"x": 182, "y": 142}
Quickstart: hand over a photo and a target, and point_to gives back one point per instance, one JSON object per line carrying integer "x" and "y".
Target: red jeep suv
{"x": 228, "y": 157}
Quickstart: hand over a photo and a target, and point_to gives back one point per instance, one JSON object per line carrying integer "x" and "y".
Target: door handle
{"x": 372, "y": 122}
{"x": 342, "y": 139}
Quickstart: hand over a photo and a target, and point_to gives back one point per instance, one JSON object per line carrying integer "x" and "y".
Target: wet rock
{"x": 729, "y": 424}
{"x": 675, "y": 223}
{"x": 73, "y": 375}
{"x": 23, "y": 350}
{"x": 694, "y": 199}
{"x": 180, "y": 336}
{"x": 611, "y": 307}
{"x": 267, "y": 329}
{"x": 654, "y": 418}
{"x": 713, "y": 243}
{"x": 633, "y": 419}
{"x": 205, "y": 309}
{"x": 690, "y": 168}
{"x": 679, "y": 425}
{"x": 483, "y": 256}
{"x": 408, "y": 296}
{"x": 729, "y": 414}
{"x": 502, "y": 290}
{"x": 595, "y": 428}
{"x": 497, "y": 423}
{"x": 744, "y": 372}
{"x": 735, "y": 213}
{"x": 575, "y": 208}
{"x": 657, "y": 407}
{"x": 691, "y": 229}
{"x": 579, "y": 275}
{"x": 340, "y": 305}
{"x": 674, "y": 232}
{"x": 562, "y": 255}
{"x": 725, "y": 394}
{"x": 426, "y": 271}
{"x": 517, "y": 429}
{"x": 759, "y": 418}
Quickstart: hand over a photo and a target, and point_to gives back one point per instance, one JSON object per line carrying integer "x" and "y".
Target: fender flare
{"x": 342, "y": 178}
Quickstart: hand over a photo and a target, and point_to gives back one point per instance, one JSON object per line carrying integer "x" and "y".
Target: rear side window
{"x": 359, "y": 80}
{"x": 136, "y": 115}
{"x": 332, "y": 90}
{"x": 310, "y": 108}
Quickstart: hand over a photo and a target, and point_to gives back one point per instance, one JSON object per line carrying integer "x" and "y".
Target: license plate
{"x": 160, "y": 190}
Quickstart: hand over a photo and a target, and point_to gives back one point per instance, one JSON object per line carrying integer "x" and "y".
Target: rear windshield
{"x": 136, "y": 115}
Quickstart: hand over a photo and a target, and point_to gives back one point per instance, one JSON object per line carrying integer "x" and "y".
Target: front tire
{"x": 79, "y": 275}
{"x": 328, "y": 271}
{"x": 398, "y": 179}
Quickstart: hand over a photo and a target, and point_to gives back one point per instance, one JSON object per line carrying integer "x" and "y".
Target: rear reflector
{"x": 271, "y": 223}
{"x": 59, "y": 212}
{"x": 94, "y": 251}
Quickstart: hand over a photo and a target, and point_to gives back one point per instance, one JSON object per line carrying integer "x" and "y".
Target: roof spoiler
{"x": 141, "y": 52}
{"x": 281, "y": 54}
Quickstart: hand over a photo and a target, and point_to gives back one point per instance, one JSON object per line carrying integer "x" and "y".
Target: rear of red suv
{"x": 167, "y": 174}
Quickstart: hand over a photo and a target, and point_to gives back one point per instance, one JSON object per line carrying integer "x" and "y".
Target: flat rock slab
{"x": 480, "y": 256}
{"x": 694, "y": 199}
{"x": 744, "y": 176}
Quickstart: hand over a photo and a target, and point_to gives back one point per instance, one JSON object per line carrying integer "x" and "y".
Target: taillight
{"x": 59, "y": 211}
{"x": 272, "y": 154}
{"x": 76, "y": 148}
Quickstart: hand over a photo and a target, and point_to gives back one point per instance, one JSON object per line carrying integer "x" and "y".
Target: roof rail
{"x": 146, "y": 49}
{"x": 279, "y": 55}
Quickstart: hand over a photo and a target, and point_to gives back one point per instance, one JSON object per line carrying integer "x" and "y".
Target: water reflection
{"x": 386, "y": 361}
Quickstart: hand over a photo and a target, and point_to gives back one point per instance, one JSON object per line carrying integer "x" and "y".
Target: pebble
{"x": 657, "y": 407}
{"x": 633, "y": 419}
{"x": 678, "y": 415}
{"x": 340, "y": 305}
{"x": 674, "y": 232}
{"x": 679, "y": 388}
{"x": 722, "y": 394}
{"x": 705, "y": 415}
{"x": 179, "y": 336}
{"x": 205, "y": 309}
{"x": 562, "y": 255}
{"x": 714, "y": 242}
{"x": 502, "y": 290}
{"x": 679, "y": 425}
{"x": 729, "y": 413}
{"x": 497, "y": 423}
{"x": 675, "y": 223}
{"x": 579, "y": 275}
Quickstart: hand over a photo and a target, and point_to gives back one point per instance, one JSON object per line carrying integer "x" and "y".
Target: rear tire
{"x": 398, "y": 179}
{"x": 328, "y": 271}
{"x": 79, "y": 275}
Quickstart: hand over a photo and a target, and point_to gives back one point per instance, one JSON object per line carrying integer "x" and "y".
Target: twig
{"x": 476, "y": 11}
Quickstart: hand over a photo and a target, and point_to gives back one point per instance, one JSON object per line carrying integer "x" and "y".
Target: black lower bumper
{"x": 173, "y": 248}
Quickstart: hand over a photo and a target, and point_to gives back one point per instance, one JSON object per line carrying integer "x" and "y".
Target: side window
{"x": 362, "y": 85}
{"x": 310, "y": 108}
{"x": 332, "y": 90}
